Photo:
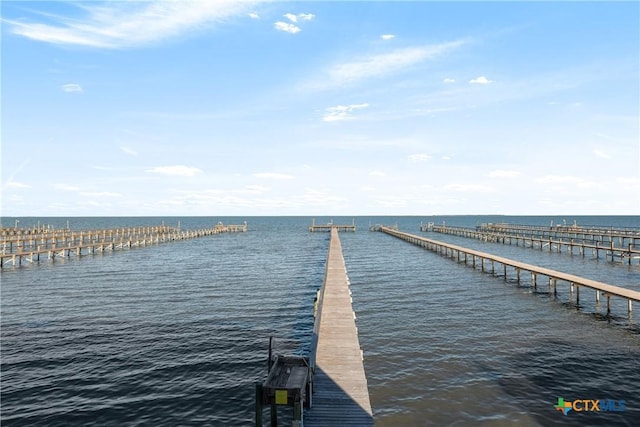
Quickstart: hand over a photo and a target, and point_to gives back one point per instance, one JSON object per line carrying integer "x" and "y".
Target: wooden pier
{"x": 20, "y": 246}
{"x": 341, "y": 396}
{"x": 330, "y": 226}
{"x": 486, "y": 260}
{"x": 541, "y": 238}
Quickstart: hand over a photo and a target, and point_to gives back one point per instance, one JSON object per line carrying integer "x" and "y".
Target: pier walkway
{"x": 341, "y": 396}
{"x": 486, "y": 260}
{"x": 554, "y": 240}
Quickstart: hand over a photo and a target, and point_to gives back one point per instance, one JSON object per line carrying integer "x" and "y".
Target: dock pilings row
{"x": 487, "y": 263}
{"x": 612, "y": 243}
{"x": 35, "y": 247}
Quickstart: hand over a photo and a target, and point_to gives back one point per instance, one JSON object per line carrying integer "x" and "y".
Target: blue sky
{"x": 320, "y": 108}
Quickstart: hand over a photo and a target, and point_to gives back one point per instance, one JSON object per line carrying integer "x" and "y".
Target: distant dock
{"x": 21, "y": 246}
{"x": 612, "y": 243}
{"x": 330, "y": 226}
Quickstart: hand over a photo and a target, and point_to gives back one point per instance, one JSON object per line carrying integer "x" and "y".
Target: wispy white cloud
{"x": 257, "y": 188}
{"x": 99, "y": 194}
{"x": 602, "y": 154}
{"x": 468, "y": 188}
{"x": 306, "y": 16}
{"x": 391, "y": 202}
{"x": 631, "y": 182}
{"x": 291, "y": 17}
{"x": 482, "y": 80}
{"x": 254, "y": 15}
{"x": 501, "y": 173}
{"x": 72, "y": 88}
{"x": 419, "y": 157}
{"x": 342, "y": 112}
{"x": 15, "y": 184}
{"x": 321, "y": 197}
{"x": 377, "y": 173}
{"x": 286, "y": 27}
{"x": 567, "y": 182}
{"x": 65, "y": 187}
{"x": 448, "y": 80}
{"x": 177, "y": 170}
{"x": 273, "y": 175}
{"x": 385, "y": 64}
{"x": 387, "y": 36}
{"x": 126, "y": 24}
{"x": 130, "y": 151}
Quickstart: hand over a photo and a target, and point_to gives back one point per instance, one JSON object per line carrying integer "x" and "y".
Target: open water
{"x": 177, "y": 334}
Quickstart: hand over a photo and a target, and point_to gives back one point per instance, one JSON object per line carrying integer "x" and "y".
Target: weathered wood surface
{"x": 341, "y": 396}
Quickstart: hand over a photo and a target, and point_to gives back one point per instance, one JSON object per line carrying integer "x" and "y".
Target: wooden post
{"x": 258, "y": 405}
{"x": 612, "y": 254}
{"x": 534, "y": 281}
{"x": 297, "y": 414}
{"x": 274, "y": 416}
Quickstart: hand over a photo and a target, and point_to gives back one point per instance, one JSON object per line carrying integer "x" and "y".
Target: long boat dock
{"x": 341, "y": 395}
{"x": 18, "y": 247}
{"x": 461, "y": 254}
{"x": 570, "y": 240}
{"x": 604, "y": 234}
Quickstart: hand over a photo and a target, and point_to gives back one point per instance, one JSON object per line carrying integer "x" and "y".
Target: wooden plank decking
{"x": 341, "y": 396}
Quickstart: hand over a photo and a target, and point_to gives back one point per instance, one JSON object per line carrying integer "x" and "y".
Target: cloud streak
{"x": 273, "y": 175}
{"x": 342, "y": 112}
{"x": 482, "y": 80}
{"x": 177, "y": 170}
{"x": 129, "y": 24}
{"x": 72, "y": 88}
{"x": 384, "y": 64}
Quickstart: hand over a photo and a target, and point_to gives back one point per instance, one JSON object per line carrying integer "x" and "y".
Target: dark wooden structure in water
{"x": 289, "y": 383}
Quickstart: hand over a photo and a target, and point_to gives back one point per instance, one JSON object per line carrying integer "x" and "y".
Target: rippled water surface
{"x": 177, "y": 334}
